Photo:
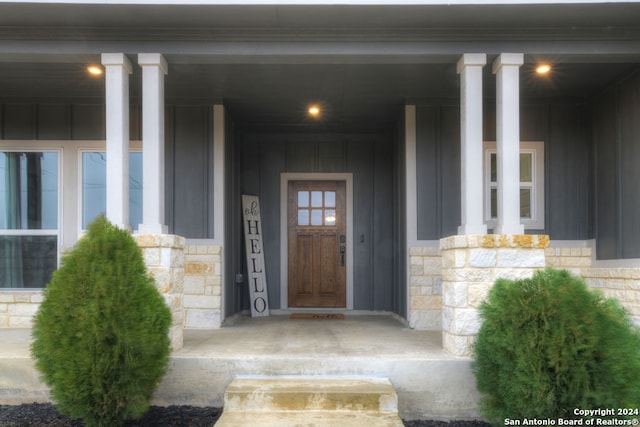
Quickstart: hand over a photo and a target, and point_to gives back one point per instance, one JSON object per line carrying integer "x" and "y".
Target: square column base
{"x": 470, "y": 266}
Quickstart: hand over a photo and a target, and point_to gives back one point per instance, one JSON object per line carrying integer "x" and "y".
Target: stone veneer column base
{"x": 470, "y": 266}
{"x": 164, "y": 256}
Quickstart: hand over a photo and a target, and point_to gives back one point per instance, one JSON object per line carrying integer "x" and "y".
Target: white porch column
{"x": 154, "y": 67}
{"x": 117, "y": 70}
{"x": 506, "y": 67}
{"x": 470, "y": 70}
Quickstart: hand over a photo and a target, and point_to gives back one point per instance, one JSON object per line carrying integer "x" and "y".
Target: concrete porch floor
{"x": 430, "y": 383}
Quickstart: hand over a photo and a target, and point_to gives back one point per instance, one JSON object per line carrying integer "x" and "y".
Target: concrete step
{"x": 308, "y": 419}
{"x": 308, "y": 401}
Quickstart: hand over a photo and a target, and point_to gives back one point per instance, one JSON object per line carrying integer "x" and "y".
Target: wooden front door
{"x": 317, "y": 243}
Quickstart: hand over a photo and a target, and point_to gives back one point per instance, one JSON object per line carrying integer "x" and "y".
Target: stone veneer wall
{"x": 164, "y": 256}
{"x": 621, "y": 283}
{"x": 425, "y": 288}
{"x": 203, "y": 286}
{"x": 18, "y": 306}
{"x": 470, "y": 265}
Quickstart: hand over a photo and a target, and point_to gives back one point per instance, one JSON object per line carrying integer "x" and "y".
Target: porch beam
{"x": 470, "y": 69}
{"x": 154, "y": 68}
{"x": 117, "y": 70}
{"x": 506, "y": 67}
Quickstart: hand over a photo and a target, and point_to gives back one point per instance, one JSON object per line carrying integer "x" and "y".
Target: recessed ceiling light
{"x": 543, "y": 69}
{"x": 314, "y": 110}
{"x": 94, "y": 70}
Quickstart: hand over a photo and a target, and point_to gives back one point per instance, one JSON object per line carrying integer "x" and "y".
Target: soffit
{"x": 268, "y": 62}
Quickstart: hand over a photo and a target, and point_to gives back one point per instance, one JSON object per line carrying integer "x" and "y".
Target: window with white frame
{"x": 29, "y": 217}
{"x": 531, "y": 184}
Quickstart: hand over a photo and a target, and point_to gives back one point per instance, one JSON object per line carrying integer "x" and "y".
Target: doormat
{"x": 318, "y": 316}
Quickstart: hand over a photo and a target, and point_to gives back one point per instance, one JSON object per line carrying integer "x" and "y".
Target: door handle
{"x": 342, "y": 250}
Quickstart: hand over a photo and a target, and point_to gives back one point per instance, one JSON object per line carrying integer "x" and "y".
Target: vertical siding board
{"x": 169, "y": 167}
{"x": 331, "y": 154}
{"x": 302, "y": 153}
{"x": 272, "y": 163}
{"x": 427, "y": 172}
{"x": 606, "y": 186}
{"x": 191, "y": 176}
{"x": 400, "y": 226}
{"x": 383, "y": 295}
{"x": 135, "y": 122}
{"x": 567, "y": 215}
{"x": 629, "y": 128}
{"x": 88, "y": 122}
{"x": 359, "y": 162}
{"x": 54, "y": 121}
{"x": 533, "y": 122}
{"x": 234, "y": 294}
{"x": 450, "y": 166}
{"x": 20, "y": 121}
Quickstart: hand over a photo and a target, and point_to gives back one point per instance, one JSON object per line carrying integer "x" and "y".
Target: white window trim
{"x": 28, "y": 146}
{"x": 536, "y": 222}
{"x": 69, "y": 183}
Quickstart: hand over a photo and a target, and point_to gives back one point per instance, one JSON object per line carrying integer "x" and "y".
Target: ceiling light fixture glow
{"x": 314, "y": 111}
{"x": 94, "y": 70}
{"x": 543, "y": 69}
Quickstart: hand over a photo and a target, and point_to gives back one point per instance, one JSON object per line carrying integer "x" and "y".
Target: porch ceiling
{"x": 268, "y": 62}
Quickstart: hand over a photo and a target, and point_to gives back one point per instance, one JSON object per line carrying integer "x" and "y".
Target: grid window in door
{"x": 316, "y": 208}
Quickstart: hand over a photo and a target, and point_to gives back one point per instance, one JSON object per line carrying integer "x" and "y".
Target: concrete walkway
{"x": 430, "y": 382}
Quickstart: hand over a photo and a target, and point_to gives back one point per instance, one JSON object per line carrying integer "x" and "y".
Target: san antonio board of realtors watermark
{"x": 585, "y": 417}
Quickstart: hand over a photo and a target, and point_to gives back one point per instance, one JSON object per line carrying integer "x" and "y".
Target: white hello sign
{"x": 255, "y": 257}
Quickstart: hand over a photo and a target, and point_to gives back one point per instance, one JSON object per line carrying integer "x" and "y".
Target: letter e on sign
{"x": 257, "y": 277}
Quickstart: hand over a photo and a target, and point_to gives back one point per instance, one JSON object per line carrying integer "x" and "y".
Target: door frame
{"x": 285, "y": 177}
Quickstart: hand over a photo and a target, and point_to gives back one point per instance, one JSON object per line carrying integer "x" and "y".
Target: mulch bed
{"x": 45, "y": 415}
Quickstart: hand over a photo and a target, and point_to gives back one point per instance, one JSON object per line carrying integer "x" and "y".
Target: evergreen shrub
{"x": 100, "y": 337}
{"x": 549, "y": 345}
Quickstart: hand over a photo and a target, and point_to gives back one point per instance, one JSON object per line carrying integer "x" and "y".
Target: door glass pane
{"x": 29, "y": 191}
{"x": 526, "y": 162}
{"x": 316, "y": 199}
{"x": 525, "y": 203}
{"x": 303, "y": 199}
{"x": 494, "y": 168}
{"x": 316, "y": 217}
{"x": 303, "y": 217}
{"x": 329, "y": 199}
{"x": 330, "y": 217}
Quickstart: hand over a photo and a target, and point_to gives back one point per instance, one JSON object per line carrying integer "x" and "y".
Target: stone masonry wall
{"x": 164, "y": 256}
{"x": 18, "y": 306}
{"x": 425, "y": 288}
{"x": 622, "y": 284}
{"x": 470, "y": 266}
{"x": 203, "y": 286}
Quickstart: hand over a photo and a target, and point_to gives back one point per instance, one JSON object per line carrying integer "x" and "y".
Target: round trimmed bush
{"x": 548, "y": 345}
{"x": 101, "y": 334}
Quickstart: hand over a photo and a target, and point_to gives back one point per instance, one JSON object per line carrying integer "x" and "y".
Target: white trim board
{"x": 285, "y": 177}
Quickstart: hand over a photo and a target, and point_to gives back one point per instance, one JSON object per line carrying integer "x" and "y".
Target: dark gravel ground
{"x": 45, "y": 415}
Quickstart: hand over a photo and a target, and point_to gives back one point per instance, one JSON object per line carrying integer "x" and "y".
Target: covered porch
{"x": 430, "y": 382}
